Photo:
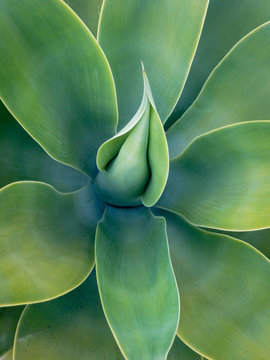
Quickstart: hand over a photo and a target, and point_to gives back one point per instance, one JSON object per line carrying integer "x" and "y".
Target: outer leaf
{"x": 55, "y": 80}
{"x": 225, "y": 292}
{"x": 46, "y": 241}
{"x": 238, "y": 90}
{"x": 180, "y": 351}
{"x": 136, "y": 282}
{"x": 226, "y": 23}
{"x": 9, "y": 318}
{"x": 21, "y": 158}
{"x": 222, "y": 179}
{"x": 68, "y": 328}
{"x": 7, "y": 356}
{"x": 88, "y": 11}
{"x": 163, "y": 34}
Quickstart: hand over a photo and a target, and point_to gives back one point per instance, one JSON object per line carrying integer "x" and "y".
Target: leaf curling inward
{"x": 134, "y": 164}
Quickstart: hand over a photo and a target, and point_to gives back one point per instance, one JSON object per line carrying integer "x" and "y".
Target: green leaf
{"x": 260, "y": 239}
{"x": 238, "y": 90}
{"x": 222, "y": 179}
{"x": 88, "y": 11}
{"x": 9, "y": 318}
{"x": 21, "y": 158}
{"x": 162, "y": 34}
{"x": 225, "y": 292}
{"x": 134, "y": 163}
{"x": 68, "y": 328}
{"x": 46, "y": 241}
{"x": 218, "y": 37}
{"x": 55, "y": 80}
{"x": 7, "y": 356}
{"x": 136, "y": 282}
{"x": 180, "y": 351}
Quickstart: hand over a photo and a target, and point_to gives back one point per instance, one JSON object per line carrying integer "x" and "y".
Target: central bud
{"x": 134, "y": 164}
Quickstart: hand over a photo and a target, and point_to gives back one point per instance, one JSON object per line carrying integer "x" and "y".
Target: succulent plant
{"x": 134, "y": 154}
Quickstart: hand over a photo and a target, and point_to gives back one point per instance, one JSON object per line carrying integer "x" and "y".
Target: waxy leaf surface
{"x": 88, "y": 11}
{"x": 162, "y": 34}
{"x": 55, "y": 80}
{"x": 70, "y": 327}
{"x": 222, "y": 179}
{"x": 46, "y": 241}
{"x": 238, "y": 90}
{"x": 9, "y": 317}
{"x": 21, "y": 158}
{"x": 226, "y": 23}
{"x": 225, "y": 292}
{"x": 136, "y": 282}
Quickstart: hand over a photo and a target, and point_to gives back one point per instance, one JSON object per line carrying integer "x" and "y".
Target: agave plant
{"x": 131, "y": 167}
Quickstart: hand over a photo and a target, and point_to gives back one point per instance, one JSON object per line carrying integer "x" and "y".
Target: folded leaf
{"x": 222, "y": 179}
{"x": 180, "y": 351}
{"x": 68, "y": 328}
{"x": 88, "y": 11}
{"x": 7, "y": 356}
{"x": 55, "y": 80}
{"x": 237, "y": 90}
{"x": 134, "y": 163}
{"x": 136, "y": 282}
{"x": 226, "y": 23}
{"x": 164, "y": 35}
{"x": 225, "y": 292}
{"x": 9, "y": 318}
{"x": 21, "y": 158}
{"x": 46, "y": 241}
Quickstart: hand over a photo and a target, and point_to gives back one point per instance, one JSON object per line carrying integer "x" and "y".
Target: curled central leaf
{"x": 134, "y": 164}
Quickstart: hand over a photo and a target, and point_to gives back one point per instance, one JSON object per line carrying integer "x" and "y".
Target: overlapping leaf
{"x": 55, "y": 80}
{"x": 136, "y": 282}
{"x": 46, "y": 241}
{"x": 222, "y": 179}
{"x": 238, "y": 90}
{"x": 225, "y": 292}
{"x": 163, "y": 35}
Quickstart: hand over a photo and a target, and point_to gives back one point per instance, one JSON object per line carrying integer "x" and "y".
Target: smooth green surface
{"x": 136, "y": 282}
{"x": 134, "y": 163}
{"x": 162, "y": 34}
{"x": 55, "y": 80}
{"x": 180, "y": 351}
{"x": 7, "y": 356}
{"x": 68, "y": 328}
{"x": 88, "y": 11}
{"x": 225, "y": 292}
{"x": 21, "y": 158}
{"x": 9, "y": 318}
{"x": 222, "y": 179}
{"x": 226, "y": 23}
{"x": 46, "y": 241}
{"x": 238, "y": 90}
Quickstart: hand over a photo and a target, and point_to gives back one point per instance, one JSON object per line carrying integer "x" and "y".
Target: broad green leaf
{"x": 222, "y": 179}
{"x": 21, "y": 158}
{"x": 164, "y": 35}
{"x": 55, "y": 80}
{"x": 9, "y": 318}
{"x": 238, "y": 90}
{"x": 7, "y": 356}
{"x": 134, "y": 163}
{"x": 225, "y": 292}
{"x": 260, "y": 239}
{"x": 46, "y": 241}
{"x": 180, "y": 351}
{"x": 136, "y": 282}
{"x": 68, "y": 328}
{"x": 226, "y": 23}
{"x": 88, "y": 11}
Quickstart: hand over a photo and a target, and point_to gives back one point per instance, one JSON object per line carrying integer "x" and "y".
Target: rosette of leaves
{"x": 125, "y": 191}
